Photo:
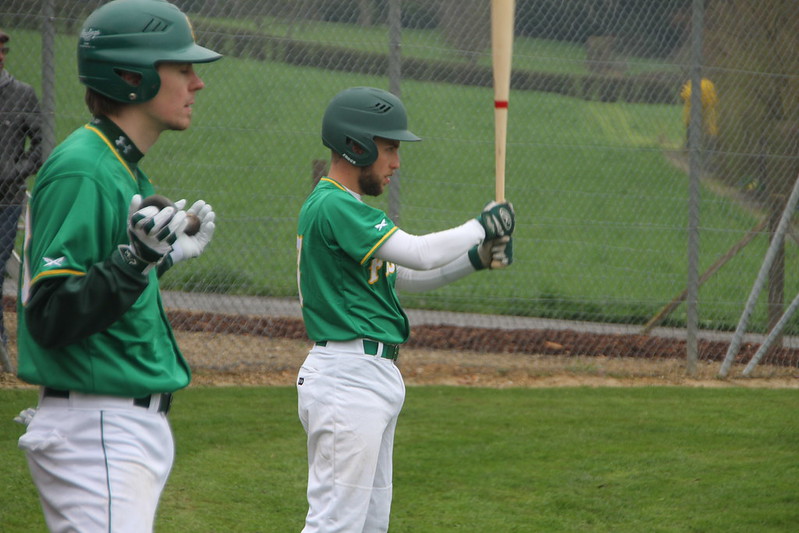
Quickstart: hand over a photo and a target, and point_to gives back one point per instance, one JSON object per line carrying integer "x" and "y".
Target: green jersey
{"x": 87, "y": 320}
{"x": 345, "y": 291}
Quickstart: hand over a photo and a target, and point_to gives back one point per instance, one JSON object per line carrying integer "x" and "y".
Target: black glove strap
{"x": 133, "y": 260}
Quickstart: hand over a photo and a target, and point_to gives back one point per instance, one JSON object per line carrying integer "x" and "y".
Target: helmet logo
{"x": 88, "y": 34}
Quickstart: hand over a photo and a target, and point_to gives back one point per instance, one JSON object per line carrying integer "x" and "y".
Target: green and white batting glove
{"x": 494, "y": 254}
{"x": 190, "y": 246}
{"x": 497, "y": 219}
{"x": 152, "y": 232}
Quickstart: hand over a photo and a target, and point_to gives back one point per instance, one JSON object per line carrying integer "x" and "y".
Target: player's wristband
{"x": 474, "y": 258}
{"x": 130, "y": 258}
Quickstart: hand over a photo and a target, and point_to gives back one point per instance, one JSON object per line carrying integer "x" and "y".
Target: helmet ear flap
{"x": 361, "y": 152}
{"x": 139, "y": 83}
{"x": 149, "y": 85}
{"x": 129, "y": 84}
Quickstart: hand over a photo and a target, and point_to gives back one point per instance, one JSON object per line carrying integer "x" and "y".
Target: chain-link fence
{"x": 636, "y": 216}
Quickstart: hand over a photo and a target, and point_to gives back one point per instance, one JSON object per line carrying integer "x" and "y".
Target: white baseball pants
{"x": 99, "y": 463}
{"x": 348, "y": 403}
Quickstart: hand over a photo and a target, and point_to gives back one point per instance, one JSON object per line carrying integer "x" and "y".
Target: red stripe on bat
{"x": 501, "y": 104}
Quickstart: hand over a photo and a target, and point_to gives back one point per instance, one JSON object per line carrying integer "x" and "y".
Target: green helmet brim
{"x": 191, "y": 54}
{"x": 399, "y": 135}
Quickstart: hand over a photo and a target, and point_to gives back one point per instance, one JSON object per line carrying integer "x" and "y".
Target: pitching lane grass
{"x": 480, "y": 460}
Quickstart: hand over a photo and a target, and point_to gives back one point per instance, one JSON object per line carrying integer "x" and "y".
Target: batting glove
{"x": 494, "y": 254}
{"x": 151, "y": 231}
{"x": 190, "y": 246}
{"x": 497, "y": 219}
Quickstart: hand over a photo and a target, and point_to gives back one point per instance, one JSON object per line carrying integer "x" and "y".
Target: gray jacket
{"x": 20, "y": 120}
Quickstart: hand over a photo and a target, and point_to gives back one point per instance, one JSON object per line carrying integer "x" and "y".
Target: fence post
{"x": 774, "y": 335}
{"x": 694, "y": 171}
{"x": 771, "y": 253}
{"x": 394, "y": 79}
{"x": 48, "y": 77}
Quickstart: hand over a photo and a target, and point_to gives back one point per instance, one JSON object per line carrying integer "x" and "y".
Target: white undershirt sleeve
{"x": 425, "y": 280}
{"x": 433, "y": 250}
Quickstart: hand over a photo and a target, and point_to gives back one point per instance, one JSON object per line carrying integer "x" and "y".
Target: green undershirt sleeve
{"x": 64, "y": 310}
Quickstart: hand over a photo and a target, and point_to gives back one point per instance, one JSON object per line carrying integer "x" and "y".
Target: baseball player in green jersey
{"x": 351, "y": 260}
{"x": 92, "y": 330}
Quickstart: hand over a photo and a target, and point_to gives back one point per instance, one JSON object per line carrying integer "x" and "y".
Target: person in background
{"x": 21, "y": 155}
{"x": 710, "y": 103}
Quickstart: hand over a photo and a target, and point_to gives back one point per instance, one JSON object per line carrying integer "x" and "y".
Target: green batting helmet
{"x": 358, "y": 115}
{"x": 134, "y": 36}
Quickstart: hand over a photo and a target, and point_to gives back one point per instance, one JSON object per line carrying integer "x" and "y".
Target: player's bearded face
{"x": 370, "y": 182}
{"x": 374, "y": 178}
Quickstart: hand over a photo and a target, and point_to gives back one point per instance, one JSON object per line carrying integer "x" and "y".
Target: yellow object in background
{"x": 710, "y": 102}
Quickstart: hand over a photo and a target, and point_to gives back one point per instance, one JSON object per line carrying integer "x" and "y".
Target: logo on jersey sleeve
{"x": 382, "y": 225}
{"x": 53, "y": 263}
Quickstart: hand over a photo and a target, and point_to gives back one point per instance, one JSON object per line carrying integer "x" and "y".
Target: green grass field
{"x": 656, "y": 459}
{"x": 602, "y": 212}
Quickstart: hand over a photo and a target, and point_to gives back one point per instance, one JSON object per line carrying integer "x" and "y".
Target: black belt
{"x": 390, "y": 351}
{"x": 143, "y": 402}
